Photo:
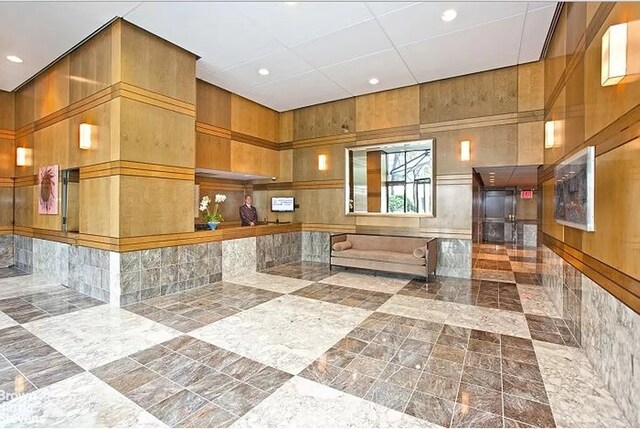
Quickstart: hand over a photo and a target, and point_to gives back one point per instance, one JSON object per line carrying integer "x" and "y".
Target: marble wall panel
{"x": 529, "y": 235}
{"x": 51, "y": 259}
{"x": 278, "y": 249}
{"x": 6, "y": 251}
{"x": 238, "y": 257}
{"x": 611, "y": 339}
{"x": 454, "y": 257}
{"x": 316, "y": 246}
{"x": 89, "y": 272}
{"x": 23, "y": 253}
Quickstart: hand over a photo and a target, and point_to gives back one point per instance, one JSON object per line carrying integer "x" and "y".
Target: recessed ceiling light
{"x": 449, "y": 15}
{"x": 492, "y": 172}
{"x": 291, "y": 3}
{"x": 263, "y": 72}
{"x": 14, "y": 59}
{"x": 374, "y": 81}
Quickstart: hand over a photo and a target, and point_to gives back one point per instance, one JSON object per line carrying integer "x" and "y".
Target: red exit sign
{"x": 526, "y": 195}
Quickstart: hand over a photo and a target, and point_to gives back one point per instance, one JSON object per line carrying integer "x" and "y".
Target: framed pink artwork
{"x": 48, "y": 189}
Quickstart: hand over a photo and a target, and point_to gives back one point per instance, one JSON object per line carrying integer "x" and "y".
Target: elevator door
{"x": 499, "y": 213}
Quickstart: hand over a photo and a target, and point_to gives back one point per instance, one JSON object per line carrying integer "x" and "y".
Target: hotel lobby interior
{"x": 319, "y": 214}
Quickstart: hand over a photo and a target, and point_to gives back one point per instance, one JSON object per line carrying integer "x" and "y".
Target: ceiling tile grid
{"x": 314, "y": 51}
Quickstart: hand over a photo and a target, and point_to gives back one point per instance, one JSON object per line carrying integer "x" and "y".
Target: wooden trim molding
{"x": 255, "y": 141}
{"x": 6, "y": 182}
{"x": 482, "y": 121}
{"x": 454, "y": 179}
{"x": 624, "y": 287}
{"x": 325, "y": 227}
{"x": 6, "y": 229}
{"x": 132, "y": 92}
{"x": 385, "y": 135}
{"x": 212, "y": 130}
{"x": 20, "y": 182}
{"x": 136, "y": 169}
{"x": 325, "y": 141}
{"x": 7, "y": 134}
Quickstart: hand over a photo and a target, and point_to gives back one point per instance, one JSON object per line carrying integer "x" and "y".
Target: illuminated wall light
{"x": 614, "y": 54}
{"x": 465, "y": 150}
{"x": 85, "y": 136}
{"x": 549, "y": 134}
{"x": 322, "y": 162}
{"x": 23, "y": 156}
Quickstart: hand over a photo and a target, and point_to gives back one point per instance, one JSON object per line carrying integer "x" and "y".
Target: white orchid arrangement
{"x": 204, "y": 208}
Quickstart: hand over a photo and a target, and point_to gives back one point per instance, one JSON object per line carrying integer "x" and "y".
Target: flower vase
{"x": 213, "y": 225}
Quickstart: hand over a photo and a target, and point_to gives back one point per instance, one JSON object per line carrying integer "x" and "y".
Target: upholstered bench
{"x": 395, "y": 254}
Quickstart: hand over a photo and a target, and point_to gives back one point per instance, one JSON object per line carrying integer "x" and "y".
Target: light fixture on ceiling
{"x": 322, "y": 162}
{"x": 291, "y": 3}
{"x": 465, "y": 150}
{"x": 263, "y": 72}
{"x": 374, "y": 81}
{"x": 449, "y": 15}
{"x": 85, "y": 136}
{"x": 614, "y": 54}
{"x": 549, "y": 134}
{"x": 14, "y": 59}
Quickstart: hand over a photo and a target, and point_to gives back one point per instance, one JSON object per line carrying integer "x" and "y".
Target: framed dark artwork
{"x": 48, "y": 190}
{"x": 574, "y": 190}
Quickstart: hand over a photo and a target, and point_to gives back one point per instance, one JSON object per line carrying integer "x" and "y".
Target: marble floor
{"x": 300, "y": 345}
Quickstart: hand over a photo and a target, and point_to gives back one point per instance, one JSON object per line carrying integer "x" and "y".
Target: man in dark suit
{"x": 248, "y": 213}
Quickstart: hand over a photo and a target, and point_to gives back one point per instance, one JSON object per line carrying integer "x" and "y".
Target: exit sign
{"x": 526, "y": 195}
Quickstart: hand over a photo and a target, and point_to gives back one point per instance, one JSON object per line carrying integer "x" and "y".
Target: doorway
{"x": 505, "y": 205}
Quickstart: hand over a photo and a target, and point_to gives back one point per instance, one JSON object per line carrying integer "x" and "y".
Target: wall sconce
{"x": 465, "y": 150}
{"x": 85, "y": 136}
{"x": 322, "y": 162}
{"x": 23, "y": 156}
{"x": 549, "y": 134}
{"x": 614, "y": 54}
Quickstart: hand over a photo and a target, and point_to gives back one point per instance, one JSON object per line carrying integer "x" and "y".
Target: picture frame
{"x": 574, "y": 190}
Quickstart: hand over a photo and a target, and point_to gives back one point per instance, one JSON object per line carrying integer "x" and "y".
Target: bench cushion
{"x": 381, "y": 255}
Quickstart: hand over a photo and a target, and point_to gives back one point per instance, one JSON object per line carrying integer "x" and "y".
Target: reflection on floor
{"x": 302, "y": 346}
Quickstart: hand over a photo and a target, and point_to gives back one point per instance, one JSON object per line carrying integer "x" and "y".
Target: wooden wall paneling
{"x": 150, "y": 206}
{"x": 322, "y": 206}
{"x": 51, "y": 146}
{"x": 490, "y": 146}
{"x": 24, "y": 205}
{"x": 52, "y": 89}
{"x": 233, "y": 189}
{"x": 616, "y": 239}
{"x": 7, "y": 110}
{"x": 488, "y": 93}
{"x": 250, "y": 159}
{"x": 96, "y": 195}
{"x": 574, "y": 123}
{"x": 213, "y": 105}
{"x": 576, "y": 16}
{"x": 25, "y": 107}
{"x": 102, "y": 122}
{"x": 213, "y": 152}
{"x": 90, "y": 66}
{"x": 152, "y": 63}
{"x": 374, "y": 181}
{"x": 155, "y": 135}
{"x": 7, "y": 157}
{"x": 453, "y": 206}
{"x": 305, "y": 163}
{"x": 603, "y": 105}
{"x": 6, "y": 202}
{"x": 248, "y": 117}
{"x": 388, "y": 109}
{"x": 324, "y": 119}
{"x": 531, "y": 86}
{"x": 531, "y": 143}
{"x": 555, "y": 61}
{"x": 285, "y": 127}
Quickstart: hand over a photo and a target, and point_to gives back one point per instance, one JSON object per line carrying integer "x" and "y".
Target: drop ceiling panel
{"x": 387, "y": 66}
{"x": 532, "y": 44}
{"x": 483, "y": 47}
{"x": 315, "y": 51}
{"x": 304, "y": 21}
{"x": 352, "y": 42}
{"x": 301, "y": 90}
{"x": 214, "y": 31}
{"x": 423, "y": 20}
{"x": 41, "y": 32}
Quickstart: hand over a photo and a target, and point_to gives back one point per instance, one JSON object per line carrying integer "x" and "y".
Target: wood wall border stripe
{"x": 20, "y": 182}
{"x": 623, "y": 287}
{"x": 7, "y": 134}
{"x": 212, "y": 130}
{"x": 136, "y": 169}
{"x": 6, "y": 182}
